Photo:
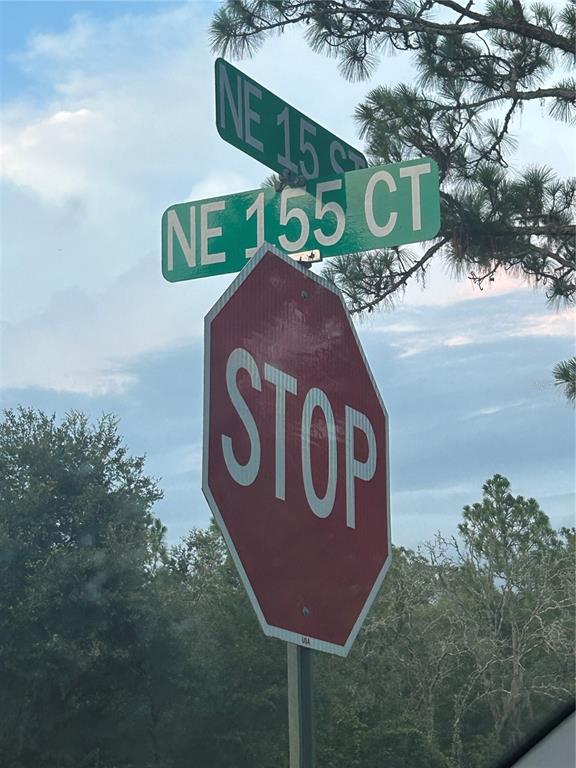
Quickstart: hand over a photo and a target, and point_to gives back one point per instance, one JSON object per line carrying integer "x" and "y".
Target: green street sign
{"x": 356, "y": 211}
{"x": 259, "y": 123}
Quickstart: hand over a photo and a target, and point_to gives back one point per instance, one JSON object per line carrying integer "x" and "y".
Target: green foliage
{"x": 469, "y": 645}
{"x": 78, "y": 543}
{"x": 116, "y": 652}
{"x": 243, "y": 700}
{"x": 510, "y": 583}
{"x": 503, "y": 530}
{"x": 119, "y": 652}
{"x": 565, "y": 376}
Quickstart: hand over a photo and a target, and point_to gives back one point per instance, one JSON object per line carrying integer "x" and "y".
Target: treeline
{"x": 117, "y": 651}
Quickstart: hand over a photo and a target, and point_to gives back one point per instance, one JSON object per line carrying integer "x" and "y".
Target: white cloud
{"x": 397, "y": 328}
{"x": 416, "y": 330}
{"x": 140, "y": 77}
{"x": 422, "y": 494}
{"x": 492, "y": 410}
{"x": 213, "y": 184}
{"x": 457, "y": 341}
{"x": 183, "y": 460}
{"x": 123, "y": 131}
{"x": 443, "y": 287}
{"x": 553, "y": 324}
{"x": 86, "y": 342}
{"x": 47, "y": 155}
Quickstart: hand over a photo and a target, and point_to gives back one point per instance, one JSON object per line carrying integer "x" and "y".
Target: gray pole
{"x": 300, "y": 707}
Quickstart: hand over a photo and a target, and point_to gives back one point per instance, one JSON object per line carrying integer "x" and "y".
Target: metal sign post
{"x": 300, "y": 707}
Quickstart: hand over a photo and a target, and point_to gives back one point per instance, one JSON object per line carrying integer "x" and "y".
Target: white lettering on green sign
{"x": 361, "y": 210}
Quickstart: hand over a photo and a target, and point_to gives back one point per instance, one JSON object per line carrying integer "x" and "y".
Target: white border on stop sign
{"x": 268, "y": 629}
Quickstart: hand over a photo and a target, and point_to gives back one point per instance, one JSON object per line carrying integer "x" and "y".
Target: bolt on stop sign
{"x": 295, "y": 465}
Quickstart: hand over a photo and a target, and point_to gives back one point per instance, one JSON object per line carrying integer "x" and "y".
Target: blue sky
{"x": 108, "y": 118}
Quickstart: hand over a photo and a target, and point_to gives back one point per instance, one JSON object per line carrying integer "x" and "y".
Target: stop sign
{"x": 295, "y": 465}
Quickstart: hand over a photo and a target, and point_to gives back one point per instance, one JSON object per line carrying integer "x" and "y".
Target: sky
{"x": 107, "y": 119}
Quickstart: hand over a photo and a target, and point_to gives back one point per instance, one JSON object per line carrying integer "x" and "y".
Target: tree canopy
{"x": 117, "y": 651}
{"x": 476, "y": 69}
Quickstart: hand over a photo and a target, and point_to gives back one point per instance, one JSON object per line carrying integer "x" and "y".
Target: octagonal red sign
{"x": 295, "y": 465}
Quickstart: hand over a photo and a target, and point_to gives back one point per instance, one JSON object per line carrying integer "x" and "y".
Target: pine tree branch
{"x": 391, "y": 288}
{"x": 517, "y": 26}
{"x": 497, "y": 143}
{"x": 569, "y": 94}
{"x": 518, "y": 8}
{"x": 483, "y": 23}
{"x": 545, "y": 230}
{"x": 241, "y": 24}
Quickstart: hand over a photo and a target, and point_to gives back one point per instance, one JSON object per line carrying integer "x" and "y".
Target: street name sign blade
{"x": 256, "y": 121}
{"x": 295, "y": 454}
{"x": 377, "y": 207}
